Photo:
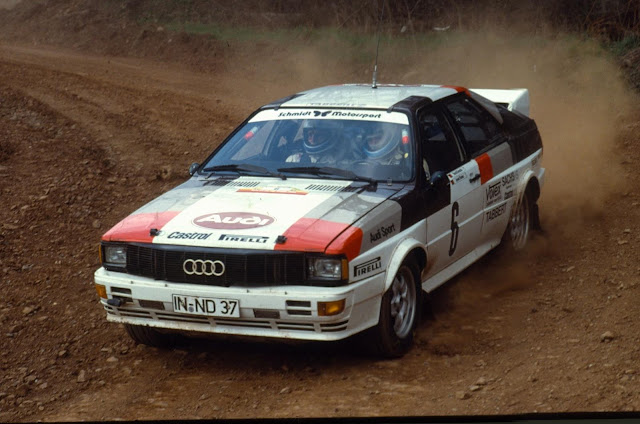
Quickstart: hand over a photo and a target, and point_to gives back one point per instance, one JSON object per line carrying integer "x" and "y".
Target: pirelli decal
{"x": 367, "y": 267}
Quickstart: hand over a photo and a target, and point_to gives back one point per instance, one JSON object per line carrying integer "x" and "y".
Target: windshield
{"x": 297, "y": 142}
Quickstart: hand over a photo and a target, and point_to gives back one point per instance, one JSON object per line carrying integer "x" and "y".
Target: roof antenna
{"x": 375, "y": 67}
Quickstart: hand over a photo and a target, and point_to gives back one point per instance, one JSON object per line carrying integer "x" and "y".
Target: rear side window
{"x": 478, "y": 128}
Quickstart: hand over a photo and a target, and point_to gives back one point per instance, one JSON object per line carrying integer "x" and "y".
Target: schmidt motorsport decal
{"x": 233, "y": 220}
{"x": 367, "y": 267}
{"x": 349, "y": 114}
{"x": 244, "y": 239}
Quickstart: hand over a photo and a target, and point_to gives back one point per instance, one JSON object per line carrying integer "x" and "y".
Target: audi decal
{"x": 233, "y": 220}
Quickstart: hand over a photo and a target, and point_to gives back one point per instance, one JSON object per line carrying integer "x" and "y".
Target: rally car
{"x": 326, "y": 214}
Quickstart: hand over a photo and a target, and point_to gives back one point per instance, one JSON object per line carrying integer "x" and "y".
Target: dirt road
{"x": 85, "y": 140}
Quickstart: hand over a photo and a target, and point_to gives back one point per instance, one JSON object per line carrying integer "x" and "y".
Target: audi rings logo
{"x": 201, "y": 267}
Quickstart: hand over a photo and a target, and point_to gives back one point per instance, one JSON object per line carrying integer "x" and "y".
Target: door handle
{"x": 474, "y": 178}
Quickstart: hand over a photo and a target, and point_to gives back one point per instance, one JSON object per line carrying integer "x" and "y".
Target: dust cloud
{"x": 578, "y": 96}
{"x": 578, "y": 99}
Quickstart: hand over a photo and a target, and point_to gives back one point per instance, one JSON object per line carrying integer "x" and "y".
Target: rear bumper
{"x": 289, "y": 312}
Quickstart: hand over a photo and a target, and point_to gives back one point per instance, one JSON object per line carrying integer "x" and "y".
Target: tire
{"x": 520, "y": 224}
{"x": 150, "y": 336}
{"x": 392, "y": 337}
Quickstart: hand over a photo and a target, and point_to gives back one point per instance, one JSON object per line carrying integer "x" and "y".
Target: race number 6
{"x": 455, "y": 209}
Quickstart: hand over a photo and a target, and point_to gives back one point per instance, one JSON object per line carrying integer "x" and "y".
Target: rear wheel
{"x": 150, "y": 336}
{"x": 520, "y": 224}
{"x": 399, "y": 314}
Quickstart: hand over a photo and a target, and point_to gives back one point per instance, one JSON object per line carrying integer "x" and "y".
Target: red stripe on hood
{"x": 135, "y": 228}
{"x": 315, "y": 235}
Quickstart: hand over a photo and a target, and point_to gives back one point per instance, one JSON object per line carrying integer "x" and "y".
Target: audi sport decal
{"x": 382, "y": 233}
{"x": 233, "y": 220}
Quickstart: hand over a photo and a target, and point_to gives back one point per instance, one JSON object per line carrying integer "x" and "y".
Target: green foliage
{"x": 624, "y": 46}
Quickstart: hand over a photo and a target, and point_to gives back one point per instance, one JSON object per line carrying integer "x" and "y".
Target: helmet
{"x": 380, "y": 140}
{"x": 320, "y": 135}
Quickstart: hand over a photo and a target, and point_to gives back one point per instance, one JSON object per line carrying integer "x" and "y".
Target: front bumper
{"x": 281, "y": 311}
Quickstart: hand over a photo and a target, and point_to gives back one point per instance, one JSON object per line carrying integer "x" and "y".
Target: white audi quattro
{"x": 326, "y": 214}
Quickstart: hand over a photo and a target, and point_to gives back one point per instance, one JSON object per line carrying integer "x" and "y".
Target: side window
{"x": 479, "y": 129}
{"x": 440, "y": 149}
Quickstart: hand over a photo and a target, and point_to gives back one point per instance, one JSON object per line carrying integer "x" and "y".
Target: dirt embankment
{"x": 87, "y": 138}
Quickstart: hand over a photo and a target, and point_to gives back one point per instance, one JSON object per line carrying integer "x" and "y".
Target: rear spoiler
{"x": 515, "y": 99}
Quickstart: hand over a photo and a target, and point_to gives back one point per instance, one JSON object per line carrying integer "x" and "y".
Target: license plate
{"x": 214, "y": 307}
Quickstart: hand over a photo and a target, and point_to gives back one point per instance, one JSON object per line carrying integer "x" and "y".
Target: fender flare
{"x": 525, "y": 179}
{"x": 398, "y": 256}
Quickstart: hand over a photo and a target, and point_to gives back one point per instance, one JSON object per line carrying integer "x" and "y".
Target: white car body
{"x": 256, "y": 235}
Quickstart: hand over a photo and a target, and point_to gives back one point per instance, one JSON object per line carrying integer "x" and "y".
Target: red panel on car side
{"x": 485, "y": 167}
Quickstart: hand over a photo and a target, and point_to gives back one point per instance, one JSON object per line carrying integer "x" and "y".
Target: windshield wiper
{"x": 330, "y": 171}
{"x": 244, "y": 168}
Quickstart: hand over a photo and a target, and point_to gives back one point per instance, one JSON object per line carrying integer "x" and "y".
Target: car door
{"x": 453, "y": 207}
{"x": 490, "y": 159}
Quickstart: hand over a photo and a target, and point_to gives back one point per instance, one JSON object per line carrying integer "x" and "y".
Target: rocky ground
{"x": 87, "y": 137}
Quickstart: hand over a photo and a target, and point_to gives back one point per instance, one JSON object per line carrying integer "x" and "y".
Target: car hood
{"x": 248, "y": 213}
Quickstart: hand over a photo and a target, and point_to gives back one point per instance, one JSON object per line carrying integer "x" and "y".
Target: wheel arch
{"x": 409, "y": 248}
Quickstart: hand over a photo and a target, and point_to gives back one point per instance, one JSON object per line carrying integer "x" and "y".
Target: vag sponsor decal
{"x": 188, "y": 236}
{"x": 243, "y": 239}
{"x": 496, "y": 212}
{"x": 494, "y": 193}
{"x": 367, "y": 267}
{"x": 233, "y": 220}
{"x": 382, "y": 232}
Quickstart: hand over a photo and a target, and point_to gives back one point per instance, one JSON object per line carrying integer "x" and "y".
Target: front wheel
{"x": 150, "y": 336}
{"x": 399, "y": 314}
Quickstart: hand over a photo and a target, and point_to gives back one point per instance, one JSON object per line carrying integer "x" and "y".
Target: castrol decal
{"x": 233, "y": 220}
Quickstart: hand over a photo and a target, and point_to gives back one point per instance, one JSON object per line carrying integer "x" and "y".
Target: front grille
{"x": 242, "y": 268}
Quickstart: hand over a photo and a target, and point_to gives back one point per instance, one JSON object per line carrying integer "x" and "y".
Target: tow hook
{"x": 116, "y": 301}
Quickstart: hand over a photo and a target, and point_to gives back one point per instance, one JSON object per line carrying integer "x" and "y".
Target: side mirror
{"x": 439, "y": 179}
{"x": 193, "y": 168}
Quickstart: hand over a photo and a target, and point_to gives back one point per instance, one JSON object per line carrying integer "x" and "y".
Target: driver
{"x": 320, "y": 138}
{"x": 382, "y": 145}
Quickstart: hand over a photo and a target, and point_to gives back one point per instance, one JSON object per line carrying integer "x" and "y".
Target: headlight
{"x": 115, "y": 255}
{"x": 327, "y": 268}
